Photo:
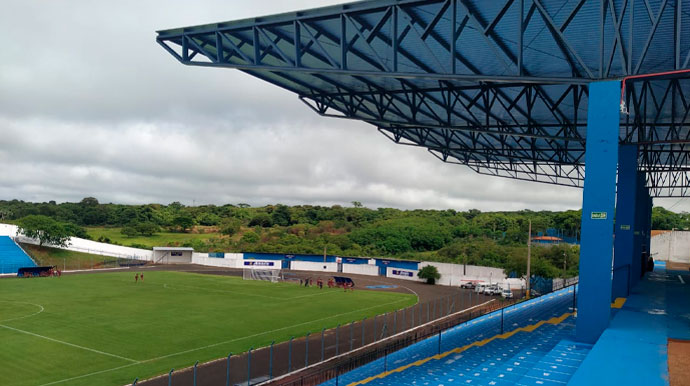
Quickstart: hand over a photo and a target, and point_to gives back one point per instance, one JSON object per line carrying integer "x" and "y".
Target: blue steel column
{"x": 647, "y": 237}
{"x": 598, "y": 202}
{"x": 626, "y": 226}
{"x": 641, "y": 213}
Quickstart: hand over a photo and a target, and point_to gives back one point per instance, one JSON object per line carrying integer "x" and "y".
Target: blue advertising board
{"x": 398, "y": 272}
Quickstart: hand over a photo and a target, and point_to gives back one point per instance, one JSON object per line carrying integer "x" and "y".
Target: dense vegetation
{"x": 496, "y": 239}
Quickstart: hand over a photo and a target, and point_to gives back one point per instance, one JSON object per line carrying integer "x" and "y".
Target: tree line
{"x": 495, "y": 239}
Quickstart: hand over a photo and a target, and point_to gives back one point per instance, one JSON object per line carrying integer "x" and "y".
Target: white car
{"x": 492, "y": 290}
{"x": 506, "y": 293}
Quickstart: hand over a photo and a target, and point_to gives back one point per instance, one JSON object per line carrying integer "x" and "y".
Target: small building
{"x": 172, "y": 255}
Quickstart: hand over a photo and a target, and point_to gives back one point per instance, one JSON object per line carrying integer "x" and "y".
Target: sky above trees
{"x": 90, "y": 105}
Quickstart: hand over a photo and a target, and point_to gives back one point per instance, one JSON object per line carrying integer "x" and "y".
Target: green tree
{"x": 129, "y": 231}
{"x": 209, "y": 219}
{"x": 281, "y": 216}
{"x": 146, "y": 228}
{"x": 184, "y": 222}
{"x": 45, "y": 229}
{"x": 230, "y": 226}
{"x": 262, "y": 220}
{"x": 429, "y": 273}
{"x": 250, "y": 238}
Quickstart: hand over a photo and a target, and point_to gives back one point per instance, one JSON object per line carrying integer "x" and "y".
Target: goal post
{"x": 272, "y": 275}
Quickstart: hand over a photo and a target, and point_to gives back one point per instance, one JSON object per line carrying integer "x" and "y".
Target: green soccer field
{"x": 105, "y": 329}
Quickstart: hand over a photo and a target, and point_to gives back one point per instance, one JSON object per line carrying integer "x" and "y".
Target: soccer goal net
{"x": 272, "y": 275}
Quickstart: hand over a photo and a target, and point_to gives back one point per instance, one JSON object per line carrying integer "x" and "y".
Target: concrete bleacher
{"x": 633, "y": 350}
{"x": 12, "y": 257}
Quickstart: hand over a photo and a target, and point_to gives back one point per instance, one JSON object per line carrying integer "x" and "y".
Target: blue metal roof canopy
{"x": 499, "y": 86}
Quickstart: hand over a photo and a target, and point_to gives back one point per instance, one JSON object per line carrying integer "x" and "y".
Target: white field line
{"x": 212, "y": 345}
{"x": 25, "y": 316}
{"x": 69, "y": 344}
{"x": 681, "y": 279}
{"x": 88, "y": 375}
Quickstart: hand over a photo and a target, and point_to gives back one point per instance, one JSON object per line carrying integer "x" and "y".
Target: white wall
{"x": 87, "y": 246}
{"x": 455, "y": 274}
{"x": 213, "y": 261}
{"x": 313, "y": 266}
{"x": 671, "y": 246}
{"x": 361, "y": 269}
{"x": 234, "y": 260}
{"x": 96, "y": 248}
{"x": 8, "y": 230}
{"x": 404, "y": 274}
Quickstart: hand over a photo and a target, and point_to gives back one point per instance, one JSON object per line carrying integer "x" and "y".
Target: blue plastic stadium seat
{"x": 541, "y": 357}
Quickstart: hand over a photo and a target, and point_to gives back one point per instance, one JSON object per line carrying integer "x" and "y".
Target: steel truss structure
{"x": 500, "y": 86}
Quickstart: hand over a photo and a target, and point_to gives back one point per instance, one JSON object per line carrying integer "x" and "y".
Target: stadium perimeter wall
{"x": 314, "y": 266}
{"x": 451, "y": 274}
{"x": 233, "y": 260}
{"x": 361, "y": 269}
{"x": 456, "y": 274}
{"x": 671, "y": 246}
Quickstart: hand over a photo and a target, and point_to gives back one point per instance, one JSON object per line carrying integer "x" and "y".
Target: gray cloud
{"x": 90, "y": 105}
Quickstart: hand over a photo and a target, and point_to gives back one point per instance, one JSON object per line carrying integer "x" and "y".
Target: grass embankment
{"x": 68, "y": 260}
{"x": 159, "y": 239}
{"x": 106, "y": 329}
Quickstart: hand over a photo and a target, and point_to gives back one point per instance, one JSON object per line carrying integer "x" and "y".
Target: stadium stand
{"x": 12, "y": 257}
{"x": 529, "y": 344}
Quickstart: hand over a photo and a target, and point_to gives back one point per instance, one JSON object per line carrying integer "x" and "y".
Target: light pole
{"x": 565, "y": 263}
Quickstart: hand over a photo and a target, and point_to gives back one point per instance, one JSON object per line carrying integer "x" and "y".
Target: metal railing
{"x": 328, "y": 355}
{"x": 320, "y": 345}
{"x": 432, "y": 339}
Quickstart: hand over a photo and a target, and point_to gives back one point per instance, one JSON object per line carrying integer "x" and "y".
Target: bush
{"x": 250, "y": 238}
{"x": 129, "y": 231}
{"x": 430, "y": 273}
{"x": 230, "y": 226}
{"x": 262, "y": 220}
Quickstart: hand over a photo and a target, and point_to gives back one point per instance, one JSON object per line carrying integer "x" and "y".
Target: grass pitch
{"x": 105, "y": 329}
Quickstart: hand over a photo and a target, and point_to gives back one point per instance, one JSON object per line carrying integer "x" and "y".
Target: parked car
{"x": 492, "y": 290}
{"x": 507, "y": 293}
{"x": 479, "y": 288}
{"x": 468, "y": 285}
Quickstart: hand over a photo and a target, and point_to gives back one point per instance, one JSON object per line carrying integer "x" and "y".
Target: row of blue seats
{"x": 520, "y": 315}
{"x": 499, "y": 362}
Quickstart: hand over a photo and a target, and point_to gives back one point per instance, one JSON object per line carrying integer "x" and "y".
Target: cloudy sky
{"x": 90, "y": 105}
